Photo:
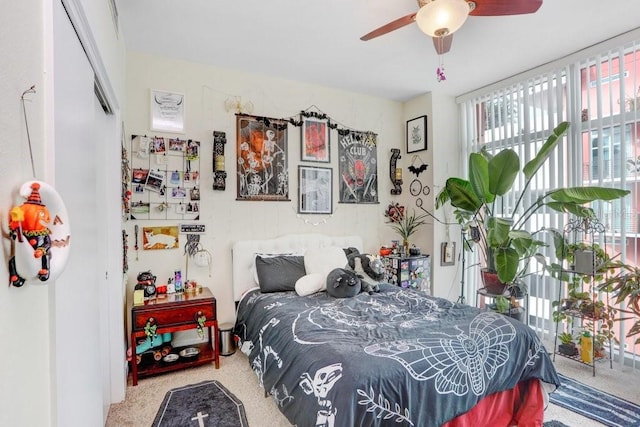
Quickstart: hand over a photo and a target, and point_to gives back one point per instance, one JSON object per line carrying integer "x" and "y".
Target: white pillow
{"x": 310, "y": 284}
{"x": 323, "y": 260}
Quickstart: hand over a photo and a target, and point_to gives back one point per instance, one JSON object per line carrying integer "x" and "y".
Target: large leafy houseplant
{"x": 504, "y": 240}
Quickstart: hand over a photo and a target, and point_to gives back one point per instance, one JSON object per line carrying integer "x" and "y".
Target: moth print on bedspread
{"x": 459, "y": 362}
{"x": 340, "y": 317}
{"x": 319, "y": 386}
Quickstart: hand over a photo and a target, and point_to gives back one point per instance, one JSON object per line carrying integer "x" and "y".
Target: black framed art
{"x": 315, "y": 190}
{"x": 358, "y": 167}
{"x": 261, "y": 159}
{"x": 314, "y": 139}
{"x": 417, "y": 134}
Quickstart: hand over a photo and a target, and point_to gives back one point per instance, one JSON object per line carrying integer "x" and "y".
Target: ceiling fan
{"x": 441, "y": 18}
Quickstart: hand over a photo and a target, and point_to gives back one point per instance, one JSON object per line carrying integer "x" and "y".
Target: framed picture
{"x": 315, "y": 190}
{"x": 261, "y": 158}
{"x": 167, "y": 111}
{"x": 315, "y": 140}
{"x": 357, "y": 167}
{"x": 447, "y": 253}
{"x": 159, "y": 237}
{"x": 417, "y": 134}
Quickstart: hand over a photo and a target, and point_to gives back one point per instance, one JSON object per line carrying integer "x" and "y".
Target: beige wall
{"x": 24, "y": 312}
{"x": 227, "y": 220}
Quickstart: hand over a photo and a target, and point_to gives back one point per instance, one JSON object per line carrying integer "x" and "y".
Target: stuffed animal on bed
{"x": 342, "y": 283}
{"x": 366, "y": 264}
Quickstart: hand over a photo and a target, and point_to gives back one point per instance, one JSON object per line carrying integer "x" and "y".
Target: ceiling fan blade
{"x": 442, "y": 44}
{"x": 505, "y": 7}
{"x": 391, "y": 26}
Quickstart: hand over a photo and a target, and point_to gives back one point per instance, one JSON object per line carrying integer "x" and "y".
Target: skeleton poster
{"x": 358, "y": 168}
{"x": 261, "y": 154}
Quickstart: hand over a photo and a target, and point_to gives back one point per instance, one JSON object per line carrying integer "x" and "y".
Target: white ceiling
{"x": 319, "y": 41}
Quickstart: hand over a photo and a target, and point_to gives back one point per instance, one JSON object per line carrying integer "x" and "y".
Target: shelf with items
{"x": 582, "y": 313}
{"x": 165, "y": 178}
{"x": 409, "y": 271}
{"x": 158, "y": 318}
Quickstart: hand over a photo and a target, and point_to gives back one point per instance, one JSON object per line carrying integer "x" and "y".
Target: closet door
{"x": 77, "y": 300}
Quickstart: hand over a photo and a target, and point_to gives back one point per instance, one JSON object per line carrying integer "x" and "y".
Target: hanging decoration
{"x": 40, "y": 234}
{"x": 440, "y": 48}
{"x": 219, "y": 174}
{"x": 38, "y": 228}
{"x": 125, "y": 178}
{"x": 419, "y": 168}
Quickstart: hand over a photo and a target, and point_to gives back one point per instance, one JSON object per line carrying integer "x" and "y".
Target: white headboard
{"x": 244, "y": 253}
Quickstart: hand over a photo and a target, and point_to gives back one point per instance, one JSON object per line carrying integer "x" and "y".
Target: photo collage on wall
{"x": 165, "y": 178}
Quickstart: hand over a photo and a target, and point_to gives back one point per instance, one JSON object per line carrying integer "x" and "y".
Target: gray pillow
{"x": 279, "y": 273}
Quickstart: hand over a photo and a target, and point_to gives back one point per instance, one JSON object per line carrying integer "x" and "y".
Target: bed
{"x": 396, "y": 357}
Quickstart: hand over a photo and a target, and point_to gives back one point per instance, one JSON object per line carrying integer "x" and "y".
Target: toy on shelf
{"x": 147, "y": 283}
{"x": 159, "y": 345}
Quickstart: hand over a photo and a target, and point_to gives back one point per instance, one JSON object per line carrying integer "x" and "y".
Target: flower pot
{"x": 568, "y": 349}
{"x": 491, "y": 283}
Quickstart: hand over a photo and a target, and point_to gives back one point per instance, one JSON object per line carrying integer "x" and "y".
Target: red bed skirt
{"x": 522, "y": 406}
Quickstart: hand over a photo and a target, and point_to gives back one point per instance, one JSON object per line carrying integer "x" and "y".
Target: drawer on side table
{"x": 173, "y": 313}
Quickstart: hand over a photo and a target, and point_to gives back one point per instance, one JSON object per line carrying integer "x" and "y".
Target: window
{"x": 600, "y": 96}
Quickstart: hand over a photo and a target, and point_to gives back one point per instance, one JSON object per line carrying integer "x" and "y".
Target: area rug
{"x": 592, "y": 403}
{"x": 204, "y": 404}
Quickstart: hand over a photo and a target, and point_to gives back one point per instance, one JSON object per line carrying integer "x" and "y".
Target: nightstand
{"x": 173, "y": 313}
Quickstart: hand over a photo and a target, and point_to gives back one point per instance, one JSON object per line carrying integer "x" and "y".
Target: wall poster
{"x": 358, "y": 167}
{"x": 167, "y": 111}
{"x": 261, "y": 153}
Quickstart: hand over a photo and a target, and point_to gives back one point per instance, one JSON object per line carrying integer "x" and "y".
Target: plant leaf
{"x": 534, "y": 164}
{"x": 573, "y": 208}
{"x": 498, "y": 231}
{"x": 479, "y": 176}
{"x": 582, "y": 195}
{"x": 442, "y": 198}
{"x": 507, "y": 264}
{"x": 462, "y": 195}
{"x": 503, "y": 170}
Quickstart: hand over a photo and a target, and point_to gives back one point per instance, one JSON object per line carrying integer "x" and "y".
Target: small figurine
{"x": 31, "y": 220}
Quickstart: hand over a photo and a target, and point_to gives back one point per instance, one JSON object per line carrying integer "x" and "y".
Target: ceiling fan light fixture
{"x": 439, "y": 18}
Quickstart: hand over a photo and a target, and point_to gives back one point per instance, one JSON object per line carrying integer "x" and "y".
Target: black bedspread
{"x": 393, "y": 358}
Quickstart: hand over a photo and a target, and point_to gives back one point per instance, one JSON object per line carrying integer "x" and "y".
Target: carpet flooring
{"x": 142, "y": 401}
{"x": 207, "y": 403}
{"x": 595, "y": 404}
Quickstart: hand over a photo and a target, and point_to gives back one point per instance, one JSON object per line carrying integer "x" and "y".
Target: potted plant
{"x": 585, "y": 286}
{"x": 625, "y": 288}
{"x": 501, "y": 305}
{"x": 506, "y": 245}
{"x": 404, "y": 223}
{"x": 567, "y": 345}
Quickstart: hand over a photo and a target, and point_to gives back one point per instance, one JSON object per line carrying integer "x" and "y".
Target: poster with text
{"x": 358, "y": 167}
